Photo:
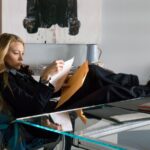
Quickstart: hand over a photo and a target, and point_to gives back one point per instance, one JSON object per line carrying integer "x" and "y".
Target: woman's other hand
{"x": 52, "y": 69}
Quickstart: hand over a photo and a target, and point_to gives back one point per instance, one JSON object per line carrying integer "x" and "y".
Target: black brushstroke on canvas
{"x": 45, "y": 13}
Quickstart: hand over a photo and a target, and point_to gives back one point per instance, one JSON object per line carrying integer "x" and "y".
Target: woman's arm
{"x": 51, "y": 70}
{"x": 26, "y": 96}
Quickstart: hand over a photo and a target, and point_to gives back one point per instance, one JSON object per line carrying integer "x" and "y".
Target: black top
{"x": 25, "y": 95}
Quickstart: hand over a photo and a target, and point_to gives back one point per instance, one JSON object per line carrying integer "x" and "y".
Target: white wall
{"x": 126, "y": 36}
{"x": 90, "y": 24}
{"x": 125, "y": 39}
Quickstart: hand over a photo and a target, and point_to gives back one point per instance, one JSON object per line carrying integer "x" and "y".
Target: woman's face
{"x": 14, "y": 57}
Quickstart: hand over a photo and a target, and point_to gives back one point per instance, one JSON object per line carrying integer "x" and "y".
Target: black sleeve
{"x": 23, "y": 102}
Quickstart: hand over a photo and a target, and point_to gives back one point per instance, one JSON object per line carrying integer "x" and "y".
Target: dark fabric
{"x": 100, "y": 86}
{"x": 25, "y": 95}
{"x": 103, "y": 86}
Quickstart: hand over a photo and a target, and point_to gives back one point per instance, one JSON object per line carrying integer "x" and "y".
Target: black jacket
{"x": 25, "y": 95}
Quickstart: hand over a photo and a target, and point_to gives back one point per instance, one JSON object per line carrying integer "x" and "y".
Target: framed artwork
{"x": 53, "y": 21}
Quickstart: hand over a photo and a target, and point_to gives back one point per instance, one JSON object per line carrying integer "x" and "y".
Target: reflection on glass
{"x": 102, "y": 121}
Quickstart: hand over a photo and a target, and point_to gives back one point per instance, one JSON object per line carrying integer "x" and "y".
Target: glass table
{"x": 113, "y": 126}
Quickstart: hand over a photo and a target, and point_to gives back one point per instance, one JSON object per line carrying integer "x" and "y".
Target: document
{"x": 61, "y": 76}
{"x": 130, "y": 117}
{"x": 63, "y": 119}
{"x": 74, "y": 83}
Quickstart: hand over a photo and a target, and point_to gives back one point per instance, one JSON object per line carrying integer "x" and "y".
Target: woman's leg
{"x": 103, "y": 95}
{"x": 92, "y": 83}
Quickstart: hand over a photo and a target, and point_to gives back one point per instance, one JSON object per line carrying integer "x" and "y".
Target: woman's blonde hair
{"x": 5, "y": 40}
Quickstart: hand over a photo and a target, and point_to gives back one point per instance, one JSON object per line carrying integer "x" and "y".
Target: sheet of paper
{"x": 133, "y": 116}
{"x": 63, "y": 119}
{"x": 61, "y": 76}
{"x": 36, "y": 77}
{"x": 74, "y": 83}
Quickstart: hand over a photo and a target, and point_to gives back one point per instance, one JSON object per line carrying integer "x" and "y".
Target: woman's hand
{"x": 48, "y": 123}
{"x": 52, "y": 69}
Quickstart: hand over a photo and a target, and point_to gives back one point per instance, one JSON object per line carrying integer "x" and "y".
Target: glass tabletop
{"x": 118, "y": 125}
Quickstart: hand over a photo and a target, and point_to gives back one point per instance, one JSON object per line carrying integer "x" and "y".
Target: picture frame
{"x": 89, "y": 15}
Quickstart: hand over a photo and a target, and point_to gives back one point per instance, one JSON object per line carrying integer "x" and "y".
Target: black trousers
{"x": 98, "y": 88}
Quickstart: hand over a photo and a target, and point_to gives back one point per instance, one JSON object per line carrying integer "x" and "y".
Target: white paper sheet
{"x": 63, "y": 119}
{"x": 129, "y": 117}
{"x": 66, "y": 68}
